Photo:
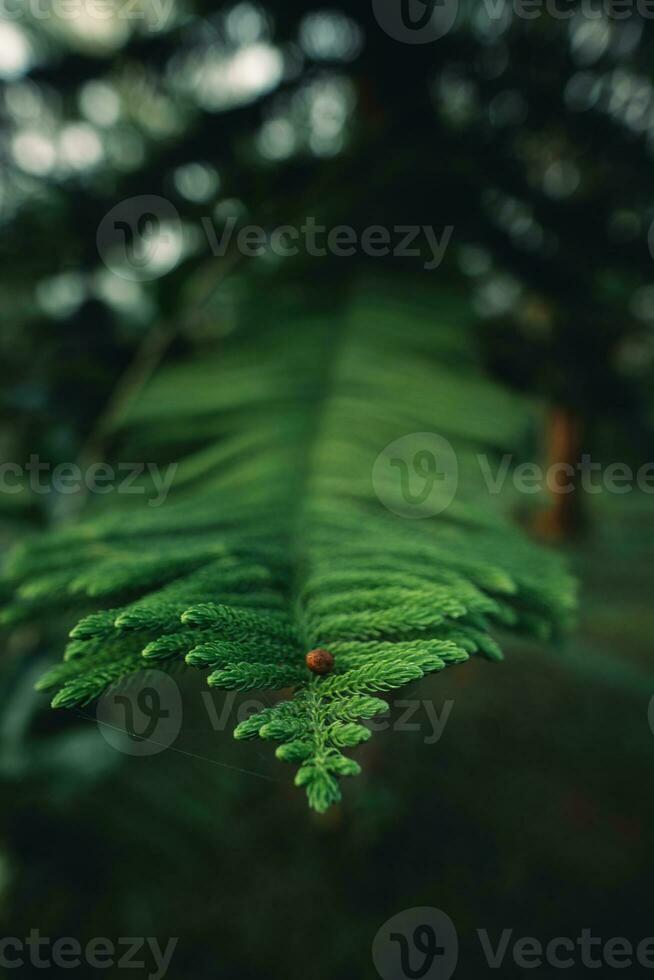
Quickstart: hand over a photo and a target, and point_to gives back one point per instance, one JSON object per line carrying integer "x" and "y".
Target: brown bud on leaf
{"x": 319, "y": 661}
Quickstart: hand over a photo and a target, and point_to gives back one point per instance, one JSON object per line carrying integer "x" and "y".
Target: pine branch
{"x": 274, "y": 540}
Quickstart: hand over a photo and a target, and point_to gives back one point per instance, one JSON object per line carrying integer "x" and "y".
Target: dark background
{"x": 534, "y": 139}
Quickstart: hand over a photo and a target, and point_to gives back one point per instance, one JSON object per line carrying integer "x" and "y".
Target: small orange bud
{"x": 319, "y": 661}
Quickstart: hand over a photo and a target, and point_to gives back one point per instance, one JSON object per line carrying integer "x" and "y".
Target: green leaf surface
{"x": 276, "y": 538}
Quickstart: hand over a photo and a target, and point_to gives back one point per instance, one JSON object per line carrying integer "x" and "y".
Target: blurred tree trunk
{"x": 564, "y": 518}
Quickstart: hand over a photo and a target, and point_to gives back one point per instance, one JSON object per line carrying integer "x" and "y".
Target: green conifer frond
{"x": 274, "y": 540}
